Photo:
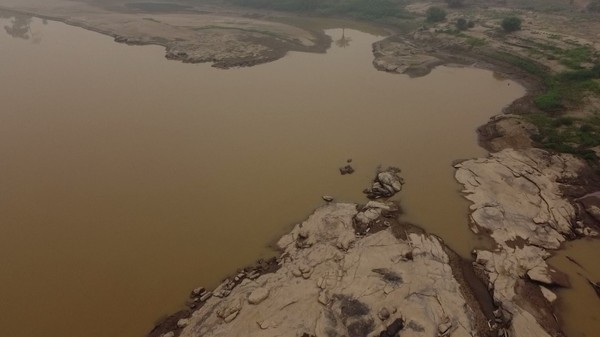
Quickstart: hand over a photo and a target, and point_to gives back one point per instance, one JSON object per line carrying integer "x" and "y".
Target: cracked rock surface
{"x": 517, "y": 199}
{"x": 366, "y": 286}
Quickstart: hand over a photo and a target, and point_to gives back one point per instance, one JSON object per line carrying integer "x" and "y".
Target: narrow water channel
{"x": 126, "y": 180}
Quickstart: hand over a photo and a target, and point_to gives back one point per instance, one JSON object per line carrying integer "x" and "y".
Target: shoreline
{"x": 536, "y": 300}
{"x": 265, "y": 46}
{"x": 487, "y": 134}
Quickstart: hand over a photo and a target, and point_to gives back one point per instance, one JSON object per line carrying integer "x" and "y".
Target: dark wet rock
{"x": 393, "y": 329}
{"x": 383, "y": 314}
{"x": 348, "y": 169}
{"x": 388, "y": 275}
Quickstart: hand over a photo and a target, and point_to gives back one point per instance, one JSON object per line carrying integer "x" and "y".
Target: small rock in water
{"x": 349, "y": 160}
{"x": 327, "y": 198}
{"x": 168, "y": 334}
{"x": 197, "y": 291}
{"x": 348, "y": 169}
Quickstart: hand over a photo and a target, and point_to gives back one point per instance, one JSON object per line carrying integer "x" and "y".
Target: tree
{"x": 344, "y": 41}
{"x": 435, "y": 14}
{"x": 511, "y": 24}
{"x": 462, "y": 24}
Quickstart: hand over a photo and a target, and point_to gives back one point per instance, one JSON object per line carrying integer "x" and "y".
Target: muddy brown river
{"x": 126, "y": 180}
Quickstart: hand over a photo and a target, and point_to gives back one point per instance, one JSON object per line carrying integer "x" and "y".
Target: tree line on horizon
{"x": 364, "y": 9}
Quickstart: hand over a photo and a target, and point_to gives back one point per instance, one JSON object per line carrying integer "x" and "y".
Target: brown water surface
{"x": 580, "y": 305}
{"x": 126, "y": 179}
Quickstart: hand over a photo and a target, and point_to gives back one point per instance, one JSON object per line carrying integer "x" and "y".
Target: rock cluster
{"x": 332, "y": 283}
{"x": 386, "y": 184}
{"x": 348, "y": 169}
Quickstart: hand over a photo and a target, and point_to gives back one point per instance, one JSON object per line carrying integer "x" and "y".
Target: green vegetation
{"x": 541, "y": 5}
{"x": 455, "y": 3}
{"x": 363, "y": 9}
{"x": 563, "y": 90}
{"x": 511, "y": 24}
{"x": 568, "y": 89}
{"x": 573, "y": 58}
{"x": 462, "y": 24}
{"x": 568, "y": 134}
{"x": 435, "y": 14}
{"x": 523, "y": 63}
{"x": 551, "y": 101}
{"x": 475, "y": 41}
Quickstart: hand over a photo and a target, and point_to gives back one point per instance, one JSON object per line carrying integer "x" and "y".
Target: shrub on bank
{"x": 511, "y": 24}
{"x": 435, "y": 14}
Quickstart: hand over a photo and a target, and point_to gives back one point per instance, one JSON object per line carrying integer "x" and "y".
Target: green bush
{"x": 549, "y": 101}
{"x": 363, "y": 9}
{"x": 435, "y": 14}
{"x": 462, "y": 24}
{"x": 511, "y": 24}
{"x": 455, "y": 3}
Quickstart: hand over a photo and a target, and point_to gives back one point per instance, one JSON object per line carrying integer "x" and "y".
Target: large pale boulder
{"x": 322, "y": 290}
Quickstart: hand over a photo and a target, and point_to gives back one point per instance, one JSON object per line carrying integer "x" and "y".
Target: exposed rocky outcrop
{"x": 506, "y": 131}
{"x": 334, "y": 283}
{"x": 402, "y": 55}
{"x": 517, "y": 199}
{"x": 386, "y": 183}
